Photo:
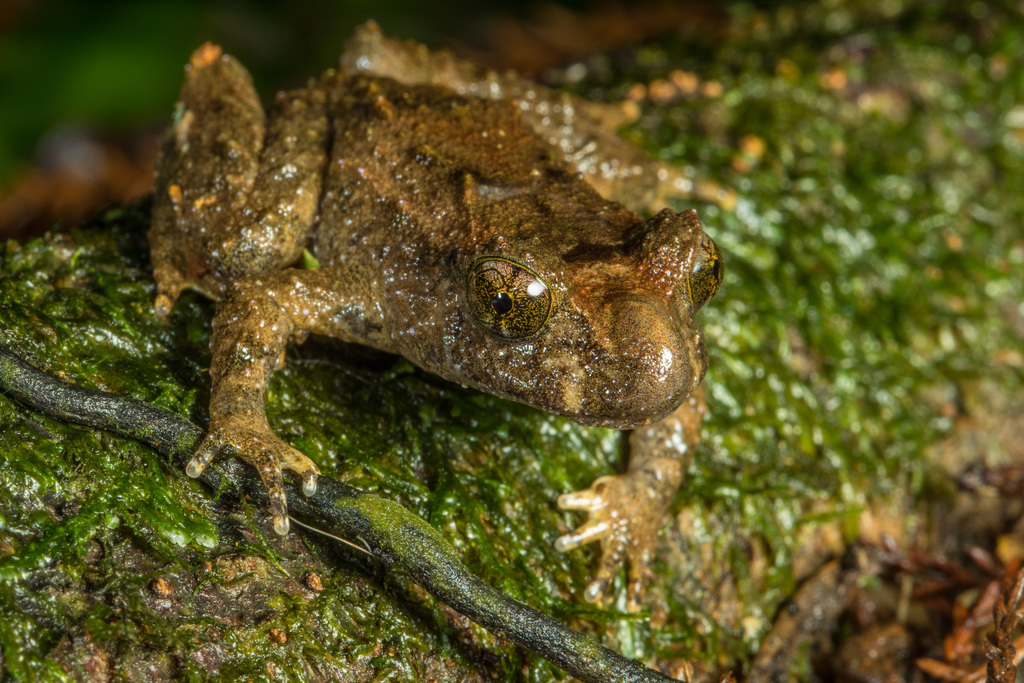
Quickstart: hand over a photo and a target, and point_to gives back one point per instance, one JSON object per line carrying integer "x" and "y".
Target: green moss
{"x": 873, "y": 266}
{"x": 79, "y": 305}
{"x": 874, "y": 274}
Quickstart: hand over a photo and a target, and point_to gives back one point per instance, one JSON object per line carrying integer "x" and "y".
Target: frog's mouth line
{"x": 660, "y": 360}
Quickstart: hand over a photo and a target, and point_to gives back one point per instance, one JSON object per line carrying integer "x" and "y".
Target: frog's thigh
{"x": 208, "y": 162}
{"x": 286, "y": 192}
{"x": 234, "y": 196}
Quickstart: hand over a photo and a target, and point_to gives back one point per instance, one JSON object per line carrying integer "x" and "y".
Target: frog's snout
{"x": 659, "y": 357}
{"x": 675, "y": 255}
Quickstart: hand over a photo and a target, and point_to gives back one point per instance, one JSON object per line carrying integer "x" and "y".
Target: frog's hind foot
{"x": 258, "y": 446}
{"x": 168, "y": 288}
{"x": 674, "y": 184}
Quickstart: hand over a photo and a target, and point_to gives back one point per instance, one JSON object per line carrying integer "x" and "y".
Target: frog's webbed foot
{"x": 260, "y": 447}
{"x": 626, "y": 513}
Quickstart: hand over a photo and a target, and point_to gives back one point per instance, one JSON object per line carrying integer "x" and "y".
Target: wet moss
{"x": 874, "y": 274}
{"x": 873, "y": 270}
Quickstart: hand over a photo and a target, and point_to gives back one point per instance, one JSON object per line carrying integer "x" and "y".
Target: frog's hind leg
{"x": 235, "y": 195}
{"x": 583, "y": 132}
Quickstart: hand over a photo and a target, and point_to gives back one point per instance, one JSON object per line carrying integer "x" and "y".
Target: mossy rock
{"x": 874, "y": 277}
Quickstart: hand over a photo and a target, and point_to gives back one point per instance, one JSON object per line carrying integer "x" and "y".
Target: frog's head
{"x": 602, "y": 333}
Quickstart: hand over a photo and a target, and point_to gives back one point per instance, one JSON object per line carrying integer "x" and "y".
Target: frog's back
{"x": 421, "y": 164}
{"x": 349, "y": 166}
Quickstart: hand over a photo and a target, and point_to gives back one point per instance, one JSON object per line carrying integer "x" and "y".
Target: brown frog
{"x": 455, "y": 221}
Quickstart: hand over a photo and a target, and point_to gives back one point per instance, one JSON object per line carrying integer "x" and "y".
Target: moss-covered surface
{"x": 875, "y": 268}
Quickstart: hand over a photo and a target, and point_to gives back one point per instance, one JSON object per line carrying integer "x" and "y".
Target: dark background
{"x": 85, "y": 87}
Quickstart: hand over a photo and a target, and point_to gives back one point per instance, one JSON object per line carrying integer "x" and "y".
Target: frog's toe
{"x": 593, "y": 530}
{"x": 209, "y": 449}
{"x": 640, "y": 574}
{"x": 273, "y": 481}
{"x": 259, "y": 447}
{"x": 587, "y": 499}
{"x": 293, "y": 460}
{"x": 614, "y": 551}
{"x": 271, "y": 459}
{"x": 611, "y": 560}
{"x": 309, "y": 485}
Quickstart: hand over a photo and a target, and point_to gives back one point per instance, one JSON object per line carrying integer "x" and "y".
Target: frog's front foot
{"x": 625, "y": 515}
{"x": 256, "y": 443}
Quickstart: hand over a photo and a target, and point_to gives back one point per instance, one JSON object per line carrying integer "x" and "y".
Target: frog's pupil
{"x": 501, "y": 303}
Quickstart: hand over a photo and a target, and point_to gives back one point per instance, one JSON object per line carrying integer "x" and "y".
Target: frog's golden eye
{"x": 706, "y": 273}
{"x": 508, "y": 299}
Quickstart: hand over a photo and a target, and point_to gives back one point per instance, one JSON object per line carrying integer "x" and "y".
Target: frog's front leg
{"x": 627, "y": 510}
{"x": 257, "y": 317}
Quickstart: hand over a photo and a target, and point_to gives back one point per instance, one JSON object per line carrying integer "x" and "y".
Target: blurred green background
{"x": 117, "y": 63}
{"x": 85, "y": 87}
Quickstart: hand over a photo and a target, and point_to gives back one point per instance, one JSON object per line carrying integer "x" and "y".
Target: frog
{"x": 452, "y": 217}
